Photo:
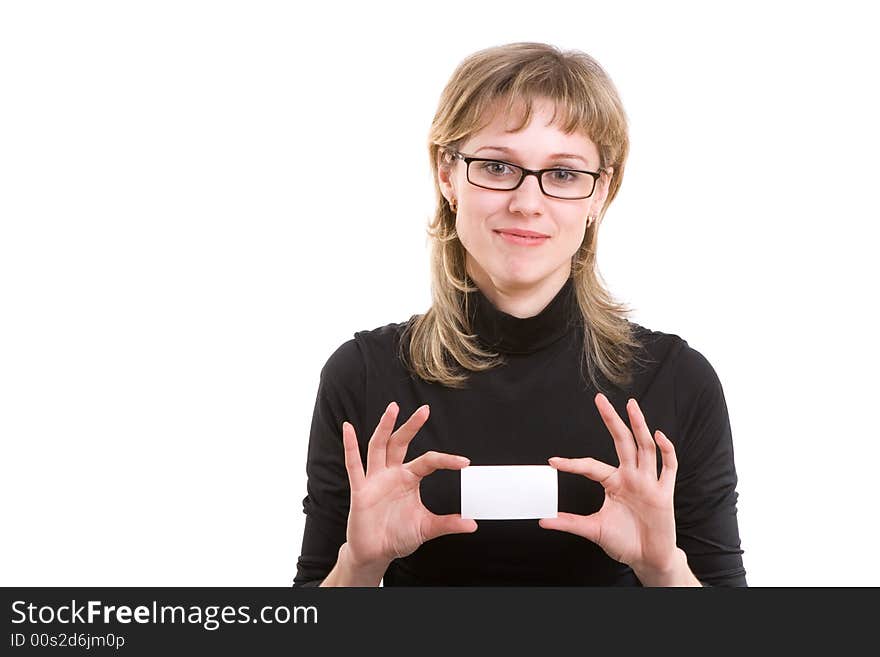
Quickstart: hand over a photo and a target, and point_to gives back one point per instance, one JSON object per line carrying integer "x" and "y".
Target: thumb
{"x": 586, "y": 526}
{"x": 452, "y": 523}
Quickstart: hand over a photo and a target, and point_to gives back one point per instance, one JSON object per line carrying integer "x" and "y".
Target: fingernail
{"x": 390, "y": 406}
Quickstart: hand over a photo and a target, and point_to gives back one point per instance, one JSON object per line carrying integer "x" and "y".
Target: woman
{"x": 523, "y": 358}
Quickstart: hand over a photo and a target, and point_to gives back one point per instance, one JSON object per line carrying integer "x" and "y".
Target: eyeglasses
{"x": 557, "y": 182}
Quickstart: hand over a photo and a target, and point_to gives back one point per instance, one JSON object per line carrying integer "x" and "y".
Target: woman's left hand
{"x": 636, "y": 524}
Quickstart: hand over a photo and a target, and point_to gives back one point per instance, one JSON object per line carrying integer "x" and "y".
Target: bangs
{"x": 572, "y": 112}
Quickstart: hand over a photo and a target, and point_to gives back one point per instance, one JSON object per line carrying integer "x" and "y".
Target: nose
{"x": 528, "y": 197}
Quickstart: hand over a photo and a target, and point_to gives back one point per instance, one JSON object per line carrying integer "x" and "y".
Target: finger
{"x": 379, "y": 442}
{"x": 586, "y": 526}
{"x": 452, "y": 523}
{"x": 670, "y": 460}
{"x": 353, "y": 463}
{"x": 431, "y": 461}
{"x": 589, "y": 467}
{"x": 400, "y": 439}
{"x": 623, "y": 439}
{"x": 647, "y": 452}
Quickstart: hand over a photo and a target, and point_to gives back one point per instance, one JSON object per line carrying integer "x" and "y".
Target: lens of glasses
{"x": 562, "y": 183}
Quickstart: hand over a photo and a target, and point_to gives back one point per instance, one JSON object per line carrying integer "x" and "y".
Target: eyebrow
{"x": 503, "y": 149}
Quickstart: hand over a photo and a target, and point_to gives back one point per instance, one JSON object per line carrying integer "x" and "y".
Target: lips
{"x": 519, "y": 240}
{"x": 520, "y": 232}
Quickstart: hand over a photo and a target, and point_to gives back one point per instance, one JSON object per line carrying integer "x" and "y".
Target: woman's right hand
{"x": 387, "y": 519}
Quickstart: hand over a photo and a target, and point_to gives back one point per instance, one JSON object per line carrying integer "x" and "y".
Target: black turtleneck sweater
{"x": 535, "y": 406}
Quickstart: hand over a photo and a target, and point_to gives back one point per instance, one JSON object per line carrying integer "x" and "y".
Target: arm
{"x": 679, "y": 529}
{"x": 347, "y": 573}
{"x": 705, "y": 491}
{"x": 341, "y": 395}
{"x": 678, "y": 574}
{"x": 366, "y": 512}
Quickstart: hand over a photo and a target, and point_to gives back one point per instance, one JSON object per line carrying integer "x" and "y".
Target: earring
{"x": 453, "y": 205}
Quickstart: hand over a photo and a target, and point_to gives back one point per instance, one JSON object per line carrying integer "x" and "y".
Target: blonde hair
{"x": 439, "y": 346}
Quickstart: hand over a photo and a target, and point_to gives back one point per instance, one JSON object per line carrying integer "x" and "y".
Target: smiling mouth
{"x": 521, "y": 236}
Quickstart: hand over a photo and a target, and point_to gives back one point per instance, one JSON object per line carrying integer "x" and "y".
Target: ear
{"x": 601, "y": 193}
{"x": 444, "y": 175}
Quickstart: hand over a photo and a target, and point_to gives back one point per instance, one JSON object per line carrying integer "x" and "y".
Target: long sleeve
{"x": 488, "y": 422}
{"x": 705, "y": 492}
{"x": 341, "y": 397}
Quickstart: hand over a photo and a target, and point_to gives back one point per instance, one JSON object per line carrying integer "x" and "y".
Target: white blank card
{"x": 507, "y": 492}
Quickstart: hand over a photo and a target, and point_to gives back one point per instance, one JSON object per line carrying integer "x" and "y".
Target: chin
{"x": 517, "y": 278}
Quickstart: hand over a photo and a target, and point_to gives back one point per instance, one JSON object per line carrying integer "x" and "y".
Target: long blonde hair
{"x": 439, "y": 346}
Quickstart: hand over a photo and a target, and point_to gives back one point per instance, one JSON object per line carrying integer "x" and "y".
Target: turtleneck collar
{"x": 514, "y": 335}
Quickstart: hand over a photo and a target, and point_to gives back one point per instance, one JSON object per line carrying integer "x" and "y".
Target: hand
{"x": 636, "y": 524}
{"x": 387, "y": 519}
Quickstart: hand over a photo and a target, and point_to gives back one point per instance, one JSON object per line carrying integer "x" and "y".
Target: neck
{"x": 520, "y": 301}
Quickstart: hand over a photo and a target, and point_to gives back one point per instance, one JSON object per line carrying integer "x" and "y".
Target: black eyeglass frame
{"x": 538, "y": 173}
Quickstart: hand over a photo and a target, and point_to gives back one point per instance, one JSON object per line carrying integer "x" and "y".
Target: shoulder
{"x": 658, "y": 348}
{"x": 382, "y": 337}
{"x": 347, "y": 359}
{"x": 366, "y": 346}
{"x": 672, "y": 354}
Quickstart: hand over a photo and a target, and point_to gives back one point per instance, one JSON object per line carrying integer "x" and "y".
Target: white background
{"x": 199, "y": 201}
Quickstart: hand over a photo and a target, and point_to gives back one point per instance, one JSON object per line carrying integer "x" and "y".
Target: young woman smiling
{"x": 523, "y": 358}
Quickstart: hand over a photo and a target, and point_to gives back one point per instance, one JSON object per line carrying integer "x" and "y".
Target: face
{"x": 483, "y": 214}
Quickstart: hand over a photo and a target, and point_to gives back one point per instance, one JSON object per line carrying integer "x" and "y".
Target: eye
{"x": 565, "y": 176}
{"x": 496, "y": 168}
